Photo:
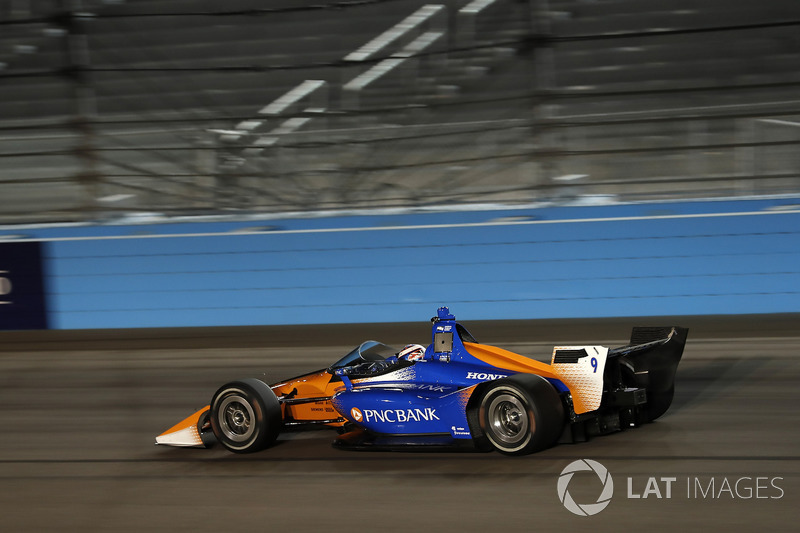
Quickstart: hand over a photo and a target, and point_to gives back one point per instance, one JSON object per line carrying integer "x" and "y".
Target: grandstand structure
{"x": 117, "y": 108}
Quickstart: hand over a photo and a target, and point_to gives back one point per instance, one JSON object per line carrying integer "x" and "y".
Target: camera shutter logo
{"x": 588, "y": 509}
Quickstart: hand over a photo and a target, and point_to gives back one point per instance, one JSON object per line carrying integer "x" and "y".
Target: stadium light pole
{"x": 543, "y": 81}
{"x": 76, "y": 47}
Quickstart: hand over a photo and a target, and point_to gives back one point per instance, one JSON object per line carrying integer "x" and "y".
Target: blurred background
{"x": 369, "y": 160}
{"x": 115, "y": 108}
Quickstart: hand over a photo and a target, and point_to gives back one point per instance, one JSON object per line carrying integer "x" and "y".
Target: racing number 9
{"x": 594, "y": 364}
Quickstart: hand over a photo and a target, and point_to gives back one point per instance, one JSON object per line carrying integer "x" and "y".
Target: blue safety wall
{"x": 675, "y": 259}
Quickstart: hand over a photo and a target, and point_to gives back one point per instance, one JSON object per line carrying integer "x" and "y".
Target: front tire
{"x": 245, "y": 416}
{"x": 204, "y": 429}
{"x": 521, "y": 414}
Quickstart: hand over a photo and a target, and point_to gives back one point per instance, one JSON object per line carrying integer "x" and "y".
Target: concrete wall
{"x": 599, "y": 262}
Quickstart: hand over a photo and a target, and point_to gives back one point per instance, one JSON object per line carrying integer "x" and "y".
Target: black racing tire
{"x": 204, "y": 429}
{"x": 520, "y": 414}
{"x": 245, "y": 416}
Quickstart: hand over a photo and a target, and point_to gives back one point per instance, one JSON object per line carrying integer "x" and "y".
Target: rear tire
{"x": 245, "y": 416}
{"x": 521, "y": 414}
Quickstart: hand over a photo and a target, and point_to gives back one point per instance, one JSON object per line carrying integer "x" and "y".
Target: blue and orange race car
{"x": 456, "y": 393}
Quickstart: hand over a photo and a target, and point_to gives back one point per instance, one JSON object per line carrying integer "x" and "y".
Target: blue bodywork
{"x": 428, "y": 397}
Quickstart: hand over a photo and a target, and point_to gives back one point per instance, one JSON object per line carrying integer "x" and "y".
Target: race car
{"x": 453, "y": 394}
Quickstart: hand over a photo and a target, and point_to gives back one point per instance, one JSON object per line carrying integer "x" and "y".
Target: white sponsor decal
{"x": 400, "y": 415}
{"x": 459, "y": 431}
{"x": 432, "y": 388}
{"x": 484, "y": 376}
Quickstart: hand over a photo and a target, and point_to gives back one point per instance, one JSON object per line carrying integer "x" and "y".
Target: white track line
{"x": 233, "y": 232}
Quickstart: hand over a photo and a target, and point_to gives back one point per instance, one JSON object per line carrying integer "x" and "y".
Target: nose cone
{"x": 184, "y": 433}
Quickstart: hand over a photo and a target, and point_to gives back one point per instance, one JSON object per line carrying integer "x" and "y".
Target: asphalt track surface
{"x": 80, "y": 412}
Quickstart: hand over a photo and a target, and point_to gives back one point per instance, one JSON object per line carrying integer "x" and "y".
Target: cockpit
{"x": 367, "y": 351}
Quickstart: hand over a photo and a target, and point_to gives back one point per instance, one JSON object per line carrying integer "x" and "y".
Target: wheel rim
{"x": 508, "y": 419}
{"x": 236, "y": 418}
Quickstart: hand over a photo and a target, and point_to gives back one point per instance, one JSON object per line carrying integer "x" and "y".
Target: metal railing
{"x": 338, "y": 143}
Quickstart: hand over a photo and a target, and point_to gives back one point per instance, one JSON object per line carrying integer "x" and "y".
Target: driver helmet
{"x": 411, "y": 352}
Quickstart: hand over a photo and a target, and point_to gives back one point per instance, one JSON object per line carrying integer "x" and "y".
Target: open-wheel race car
{"x": 453, "y": 394}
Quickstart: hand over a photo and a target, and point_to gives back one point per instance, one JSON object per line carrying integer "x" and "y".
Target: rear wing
{"x": 645, "y": 338}
{"x": 648, "y": 362}
{"x": 642, "y": 371}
